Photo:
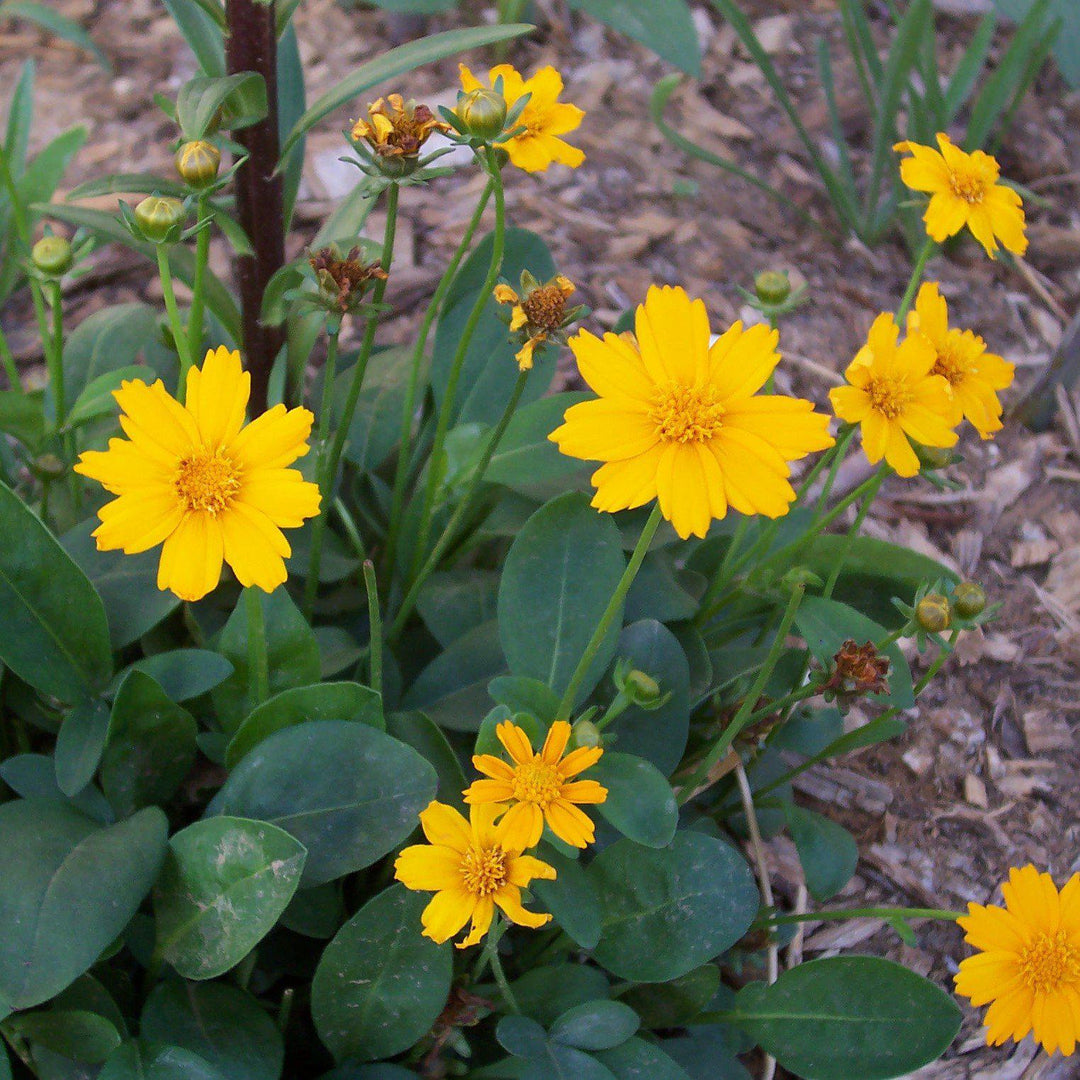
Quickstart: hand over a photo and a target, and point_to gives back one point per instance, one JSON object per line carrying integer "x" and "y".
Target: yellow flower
{"x": 544, "y": 117}
{"x": 682, "y": 421}
{"x": 539, "y": 787}
{"x": 537, "y": 315}
{"x": 1028, "y": 964}
{"x": 470, "y": 866}
{"x": 964, "y": 190}
{"x": 197, "y": 480}
{"x": 973, "y": 374}
{"x": 893, "y": 394}
{"x": 397, "y": 128}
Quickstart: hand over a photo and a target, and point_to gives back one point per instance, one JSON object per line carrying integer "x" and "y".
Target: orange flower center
{"x": 207, "y": 481}
{"x": 686, "y": 413}
{"x": 545, "y": 307}
{"x": 968, "y": 186}
{"x": 950, "y": 361}
{"x": 890, "y": 397}
{"x": 537, "y": 783}
{"x": 484, "y": 870}
{"x": 1049, "y": 961}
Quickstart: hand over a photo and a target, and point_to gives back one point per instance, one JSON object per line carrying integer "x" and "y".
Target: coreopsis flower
{"x": 539, "y": 787}
{"x": 973, "y": 374}
{"x": 682, "y": 421}
{"x": 1027, "y": 968}
{"x": 544, "y": 117}
{"x": 539, "y": 314}
{"x": 396, "y": 128}
{"x": 198, "y": 481}
{"x": 964, "y": 190}
{"x": 471, "y": 866}
{"x": 893, "y": 394}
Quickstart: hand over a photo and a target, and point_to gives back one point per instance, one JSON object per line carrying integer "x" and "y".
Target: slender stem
{"x": 727, "y": 566}
{"x": 442, "y": 423}
{"x": 852, "y": 534}
{"x": 55, "y": 353}
{"x": 503, "y": 983}
{"x": 928, "y": 249}
{"x": 202, "y": 256}
{"x": 8, "y": 361}
{"x": 375, "y": 646}
{"x": 401, "y": 471}
{"x": 937, "y": 665}
{"x": 842, "y": 444}
{"x": 862, "y": 913}
{"x": 447, "y": 536}
{"x": 746, "y": 709}
{"x": 613, "y": 609}
{"x": 179, "y": 335}
{"x": 258, "y": 659}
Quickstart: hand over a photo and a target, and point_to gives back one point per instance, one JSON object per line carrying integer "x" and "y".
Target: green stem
{"x": 916, "y": 278}
{"x": 258, "y": 659}
{"x": 613, "y": 609}
{"x": 8, "y": 360}
{"x": 852, "y": 534}
{"x": 442, "y": 423}
{"x": 746, "y": 709}
{"x": 375, "y": 646}
{"x": 179, "y": 335}
{"x": 416, "y": 362}
{"x": 503, "y": 983}
{"x": 431, "y": 564}
{"x": 202, "y": 257}
{"x": 54, "y": 354}
{"x": 727, "y": 566}
{"x": 861, "y": 913}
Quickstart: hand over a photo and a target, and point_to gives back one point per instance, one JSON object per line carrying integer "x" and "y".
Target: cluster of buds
{"x": 391, "y": 138}
{"x": 857, "y": 670}
{"x": 943, "y": 606}
{"x": 538, "y": 314}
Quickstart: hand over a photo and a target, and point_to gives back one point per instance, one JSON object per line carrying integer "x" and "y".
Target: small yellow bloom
{"x": 894, "y": 394}
{"x": 973, "y": 374}
{"x": 194, "y": 478}
{"x": 1028, "y": 964}
{"x": 538, "y": 315}
{"x": 964, "y": 190}
{"x": 470, "y": 866}
{"x": 682, "y": 421}
{"x": 544, "y": 117}
{"x": 397, "y": 128}
{"x": 539, "y": 787}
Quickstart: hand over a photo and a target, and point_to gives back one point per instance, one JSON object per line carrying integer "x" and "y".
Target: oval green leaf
{"x": 596, "y": 1025}
{"x": 640, "y": 802}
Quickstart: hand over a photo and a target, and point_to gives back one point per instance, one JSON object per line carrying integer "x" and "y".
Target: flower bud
{"x": 934, "y": 457}
{"x": 198, "y": 162}
{"x": 52, "y": 255}
{"x": 772, "y": 287}
{"x": 48, "y": 467}
{"x": 933, "y": 613}
{"x": 483, "y": 113}
{"x": 969, "y": 599}
{"x": 642, "y": 689}
{"x": 586, "y": 733}
{"x": 157, "y": 216}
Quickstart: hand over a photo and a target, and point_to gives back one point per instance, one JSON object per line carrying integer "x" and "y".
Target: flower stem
{"x": 375, "y": 627}
{"x": 442, "y": 422}
{"x": 852, "y": 533}
{"x": 258, "y": 659}
{"x": 490, "y": 955}
{"x": 401, "y": 471}
{"x": 928, "y": 249}
{"x": 613, "y": 609}
{"x": 54, "y": 354}
{"x": 8, "y": 361}
{"x": 862, "y": 913}
{"x": 179, "y": 334}
{"x": 202, "y": 256}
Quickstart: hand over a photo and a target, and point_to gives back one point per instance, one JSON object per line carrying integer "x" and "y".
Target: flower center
{"x": 890, "y": 397}
{"x": 968, "y": 186}
{"x": 1049, "y": 961}
{"x": 545, "y": 307}
{"x": 949, "y": 363}
{"x": 686, "y": 413}
{"x": 484, "y": 870}
{"x": 537, "y": 783}
{"x": 207, "y": 481}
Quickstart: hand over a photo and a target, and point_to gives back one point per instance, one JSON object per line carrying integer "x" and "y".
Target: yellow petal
{"x": 521, "y": 827}
{"x": 585, "y": 791}
{"x": 480, "y": 791}
{"x": 526, "y": 868}
{"x": 509, "y": 899}
{"x": 899, "y": 452}
{"x": 673, "y": 334}
{"x": 483, "y": 910}
{"x": 447, "y": 913}
{"x": 155, "y": 418}
{"x": 217, "y": 396}
{"x": 741, "y": 362}
{"x": 191, "y": 557}
{"x": 945, "y": 216}
{"x": 612, "y": 367}
{"x": 428, "y": 867}
{"x": 577, "y": 761}
{"x": 515, "y": 740}
{"x": 494, "y": 767}
{"x": 570, "y": 824}
{"x": 254, "y": 547}
{"x": 138, "y": 522}
{"x": 443, "y": 825}
{"x": 273, "y": 440}
{"x": 469, "y": 81}
{"x": 283, "y": 495}
{"x": 555, "y": 743}
{"x": 123, "y": 468}
{"x": 622, "y": 485}
{"x": 681, "y": 488}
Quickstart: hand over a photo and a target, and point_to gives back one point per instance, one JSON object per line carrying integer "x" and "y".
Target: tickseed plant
{"x": 323, "y": 656}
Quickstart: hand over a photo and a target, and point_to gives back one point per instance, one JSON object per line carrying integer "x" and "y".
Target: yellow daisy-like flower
{"x": 544, "y": 118}
{"x": 973, "y": 374}
{"x": 194, "y": 478}
{"x": 471, "y": 866}
{"x": 894, "y": 394}
{"x": 539, "y": 787}
{"x": 1028, "y": 964}
{"x": 537, "y": 316}
{"x": 680, "y": 420}
{"x": 396, "y": 127}
{"x": 964, "y": 190}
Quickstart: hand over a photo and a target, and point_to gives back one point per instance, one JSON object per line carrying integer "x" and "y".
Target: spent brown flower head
{"x": 858, "y": 669}
{"x": 344, "y": 277}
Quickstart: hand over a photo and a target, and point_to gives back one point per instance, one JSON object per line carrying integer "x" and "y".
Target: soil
{"x": 986, "y": 777}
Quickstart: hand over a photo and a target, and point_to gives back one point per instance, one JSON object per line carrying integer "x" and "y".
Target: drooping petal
{"x": 482, "y": 913}
{"x": 509, "y": 900}
{"x": 447, "y": 913}
{"x": 525, "y": 868}
{"x": 191, "y": 557}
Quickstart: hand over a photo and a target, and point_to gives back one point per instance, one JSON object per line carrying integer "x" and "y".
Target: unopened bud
{"x": 47, "y": 467}
{"x": 158, "y": 215}
{"x": 52, "y": 255}
{"x": 198, "y": 163}
{"x": 483, "y": 113}
{"x": 586, "y": 733}
{"x": 970, "y": 599}
{"x": 642, "y": 689}
{"x": 773, "y": 287}
{"x": 933, "y": 613}
{"x": 934, "y": 457}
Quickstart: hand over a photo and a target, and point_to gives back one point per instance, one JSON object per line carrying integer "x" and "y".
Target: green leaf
{"x": 223, "y": 1025}
{"x": 848, "y": 1016}
{"x": 186, "y": 673}
{"x": 20, "y": 118}
{"x": 380, "y": 984}
{"x": 658, "y": 593}
{"x": 150, "y": 747}
{"x": 33, "y": 776}
{"x": 239, "y": 100}
{"x": 21, "y": 415}
{"x": 546, "y": 992}
{"x": 640, "y": 1060}
{"x": 640, "y": 802}
{"x": 665, "y": 26}
{"x": 395, "y": 62}
{"x": 677, "y": 1003}
{"x": 346, "y": 818}
{"x": 376, "y": 423}
{"x": 453, "y": 602}
{"x": 571, "y": 898}
{"x": 417, "y": 730}
{"x": 521, "y": 1036}
{"x": 202, "y": 32}
{"x": 557, "y": 580}
{"x": 55, "y": 636}
{"x": 324, "y": 701}
{"x": 67, "y": 889}
{"x": 224, "y": 885}
{"x": 1067, "y": 46}
{"x": 138, "y": 1060}
{"x": 97, "y": 398}
{"x": 316, "y": 913}
{"x": 520, "y": 694}
{"x": 293, "y": 655}
{"x": 597, "y": 1025}
{"x": 668, "y": 911}
{"x": 56, "y": 24}
{"x": 827, "y": 851}
{"x": 79, "y": 744}
{"x": 76, "y": 1034}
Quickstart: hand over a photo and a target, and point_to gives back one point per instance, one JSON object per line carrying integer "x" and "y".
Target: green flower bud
{"x": 970, "y": 599}
{"x": 52, "y": 255}
{"x": 198, "y": 163}
{"x": 772, "y": 287}
{"x": 482, "y": 112}
{"x": 642, "y": 689}
{"x": 586, "y": 733}
{"x": 157, "y": 216}
{"x": 933, "y": 613}
{"x": 48, "y": 467}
